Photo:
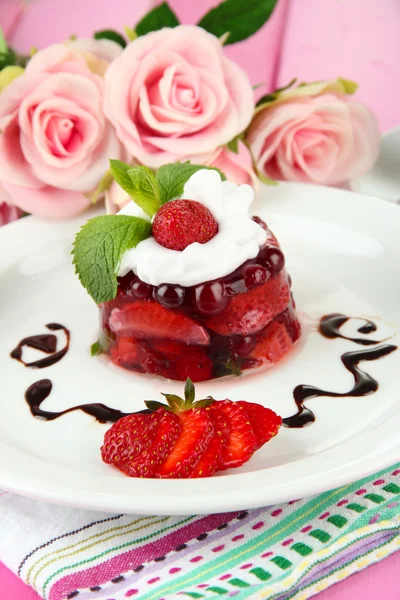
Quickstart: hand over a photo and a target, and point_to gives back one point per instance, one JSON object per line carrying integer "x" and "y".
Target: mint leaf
{"x": 110, "y": 34}
{"x": 240, "y": 18}
{"x": 161, "y": 16}
{"x": 140, "y": 183}
{"x": 171, "y": 179}
{"x": 98, "y": 249}
{"x": 147, "y": 193}
{"x": 96, "y": 349}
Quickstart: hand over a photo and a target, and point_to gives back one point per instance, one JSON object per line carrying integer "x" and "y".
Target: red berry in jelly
{"x": 211, "y": 298}
{"x": 170, "y": 296}
{"x": 255, "y": 275}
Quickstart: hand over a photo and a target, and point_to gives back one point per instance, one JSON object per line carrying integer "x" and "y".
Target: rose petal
{"x": 48, "y": 202}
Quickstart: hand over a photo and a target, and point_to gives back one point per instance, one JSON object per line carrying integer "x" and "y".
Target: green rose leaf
{"x": 171, "y": 179}
{"x": 140, "y": 183}
{"x": 3, "y": 43}
{"x": 161, "y": 16}
{"x": 110, "y": 34}
{"x": 241, "y": 18}
{"x": 233, "y": 145}
{"x": 98, "y": 249}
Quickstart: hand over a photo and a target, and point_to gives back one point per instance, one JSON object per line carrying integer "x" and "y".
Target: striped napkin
{"x": 292, "y": 550}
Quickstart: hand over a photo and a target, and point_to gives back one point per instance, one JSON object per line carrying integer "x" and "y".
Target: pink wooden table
{"x": 357, "y": 40}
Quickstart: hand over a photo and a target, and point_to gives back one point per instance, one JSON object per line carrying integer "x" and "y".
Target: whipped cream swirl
{"x": 238, "y": 239}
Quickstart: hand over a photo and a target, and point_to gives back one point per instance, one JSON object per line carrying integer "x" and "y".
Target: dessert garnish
{"x": 46, "y": 343}
{"x": 183, "y": 222}
{"x": 188, "y": 283}
{"x": 364, "y": 384}
{"x": 186, "y": 438}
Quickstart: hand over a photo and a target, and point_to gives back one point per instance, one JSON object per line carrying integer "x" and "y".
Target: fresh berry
{"x": 264, "y": 421}
{"x": 168, "y": 430}
{"x": 255, "y": 275}
{"x": 273, "y": 344}
{"x": 211, "y": 460}
{"x": 151, "y": 320}
{"x": 250, "y": 312}
{"x": 185, "y": 361}
{"x": 170, "y": 296}
{"x": 180, "y": 223}
{"x": 211, "y": 298}
{"x": 242, "y": 442}
{"x": 197, "y": 431}
{"x": 188, "y": 438}
{"x": 129, "y": 437}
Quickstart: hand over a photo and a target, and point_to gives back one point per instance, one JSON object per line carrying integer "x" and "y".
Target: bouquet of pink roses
{"x": 162, "y": 93}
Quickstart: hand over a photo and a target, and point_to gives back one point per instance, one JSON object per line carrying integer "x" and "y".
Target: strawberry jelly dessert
{"x": 206, "y": 295}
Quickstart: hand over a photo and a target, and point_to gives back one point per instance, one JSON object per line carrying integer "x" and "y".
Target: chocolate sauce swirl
{"x": 46, "y": 343}
{"x": 40, "y": 390}
{"x": 364, "y": 384}
{"x": 329, "y": 327}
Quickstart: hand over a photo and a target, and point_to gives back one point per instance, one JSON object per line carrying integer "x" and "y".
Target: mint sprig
{"x": 98, "y": 249}
{"x": 171, "y": 179}
{"x": 140, "y": 183}
{"x": 151, "y": 191}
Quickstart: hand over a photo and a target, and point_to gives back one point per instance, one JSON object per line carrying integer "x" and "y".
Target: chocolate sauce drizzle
{"x": 329, "y": 327}
{"x": 364, "y": 384}
{"x": 40, "y": 390}
{"x": 46, "y": 343}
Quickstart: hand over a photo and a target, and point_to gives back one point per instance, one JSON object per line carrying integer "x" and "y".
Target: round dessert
{"x": 206, "y": 295}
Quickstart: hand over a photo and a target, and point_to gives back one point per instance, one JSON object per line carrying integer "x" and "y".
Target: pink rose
{"x": 55, "y": 142}
{"x": 97, "y": 53}
{"x": 8, "y": 212}
{"x": 314, "y": 133}
{"x": 237, "y": 167}
{"x": 172, "y": 95}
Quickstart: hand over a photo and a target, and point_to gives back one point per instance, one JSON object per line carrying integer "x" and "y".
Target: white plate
{"x": 384, "y": 179}
{"x": 343, "y": 252}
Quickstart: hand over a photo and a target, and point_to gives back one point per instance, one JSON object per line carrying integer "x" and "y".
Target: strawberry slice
{"x": 197, "y": 431}
{"x": 273, "y": 343}
{"x": 264, "y": 421}
{"x": 185, "y": 361}
{"x": 150, "y": 319}
{"x": 136, "y": 354}
{"x": 242, "y": 442}
{"x": 211, "y": 460}
{"x": 129, "y": 437}
{"x": 166, "y": 434}
{"x": 250, "y": 312}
